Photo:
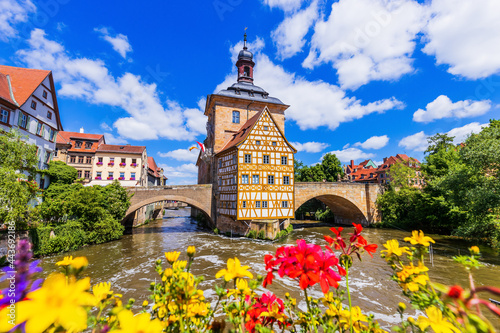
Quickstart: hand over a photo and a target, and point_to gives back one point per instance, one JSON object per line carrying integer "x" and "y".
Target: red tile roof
{"x": 72, "y": 137}
{"x": 124, "y": 149}
{"x": 153, "y": 167}
{"x": 395, "y": 159}
{"x": 24, "y": 81}
{"x": 5, "y": 90}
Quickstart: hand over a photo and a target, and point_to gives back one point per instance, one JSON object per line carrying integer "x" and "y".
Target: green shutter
{"x": 42, "y": 134}
{"x": 20, "y": 119}
{"x": 28, "y": 119}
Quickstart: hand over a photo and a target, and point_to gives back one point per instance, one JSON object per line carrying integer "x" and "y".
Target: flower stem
{"x": 348, "y": 293}
{"x": 309, "y": 310}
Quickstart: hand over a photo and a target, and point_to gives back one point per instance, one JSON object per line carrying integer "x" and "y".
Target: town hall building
{"x": 247, "y": 158}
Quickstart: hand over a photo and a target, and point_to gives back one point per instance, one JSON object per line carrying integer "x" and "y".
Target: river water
{"x": 129, "y": 263}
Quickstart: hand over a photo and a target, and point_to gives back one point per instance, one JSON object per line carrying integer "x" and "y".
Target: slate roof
{"x": 249, "y": 91}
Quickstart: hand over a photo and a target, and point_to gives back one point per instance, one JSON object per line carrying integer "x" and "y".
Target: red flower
{"x": 455, "y": 292}
{"x": 263, "y": 304}
{"x": 339, "y": 241}
{"x": 328, "y": 277}
{"x": 370, "y": 248}
{"x": 358, "y": 228}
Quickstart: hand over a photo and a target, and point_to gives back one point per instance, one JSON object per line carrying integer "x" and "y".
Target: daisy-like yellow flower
{"x": 417, "y": 237}
{"x": 172, "y": 256}
{"x": 180, "y": 264}
{"x": 436, "y": 321}
{"x": 241, "y": 288}
{"x": 77, "y": 262}
{"x": 139, "y": 323}
{"x": 274, "y": 312}
{"x": 58, "y": 301}
{"x": 102, "y": 290}
{"x": 145, "y": 303}
{"x": 392, "y": 247}
{"x": 191, "y": 250}
{"x": 234, "y": 270}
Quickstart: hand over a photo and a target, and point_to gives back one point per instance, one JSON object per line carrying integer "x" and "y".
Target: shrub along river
{"x": 129, "y": 263}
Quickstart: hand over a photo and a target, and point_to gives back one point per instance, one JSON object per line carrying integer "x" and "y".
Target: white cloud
{"x": 375, "y": 142}
{"x": 182, "y": 154}
{"x": 367, "y": 40}
{"x": 90, "y": 80}
{"x": 348, "y": 154}
{"x": 310, "y": 147}
{"x": 466, "y": 36}
{"x": 289, "y": 35}
{"x": 106, "y": 127}
{"x": 180, "y": 175}
{"x": 443, "y": 107}
{"x": 13, "y": 12}
{"x": 111, "y": 139}
{"x": 313, "y": 103}
{"x": 119, "y": 42}
{"x": 418, "y": 141}
{"x": 285, "y": 5}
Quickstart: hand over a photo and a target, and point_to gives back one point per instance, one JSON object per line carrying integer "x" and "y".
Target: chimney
{"x": 385, "y": 159}
{"x": 352, "y": 164}
{"x": 81, "y": 130}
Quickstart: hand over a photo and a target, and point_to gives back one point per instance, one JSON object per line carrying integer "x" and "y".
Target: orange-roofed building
{"x": 125, "y": 163}
{"x": 78, "y": 149}
{"x": 155, "y": 173}
{"x": 383, "y": 171}
{"x": 361, "y": 173}
{"x": 28, "y": 102}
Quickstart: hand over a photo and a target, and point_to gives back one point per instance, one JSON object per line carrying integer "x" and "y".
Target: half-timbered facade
{"x": 255, "y": 172}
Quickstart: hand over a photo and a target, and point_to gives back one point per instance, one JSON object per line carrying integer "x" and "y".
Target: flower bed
{"x": 133, "y": 164}
{"x": 121, "y": 178}
{"x": 179, "y": 306}
{"x": 123, "y": 164}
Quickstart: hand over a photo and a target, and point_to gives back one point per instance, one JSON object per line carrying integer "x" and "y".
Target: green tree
{"x": 61, "y": 173}
{"x": 116, "y": 200}
{"x": 18, "y": 162}
{"x": 401, "y": 174}
{"x": 332, "y": 167}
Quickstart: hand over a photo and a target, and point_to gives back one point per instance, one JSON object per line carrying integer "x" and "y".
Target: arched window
{"x": 246, "y": 71}
{"x": 236, "y": 117}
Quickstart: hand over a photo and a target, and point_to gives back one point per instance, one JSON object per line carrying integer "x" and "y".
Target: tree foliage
{"x": 61, "y": 173}
{"x": 18, "y": 163}
{"x": 462, "y": 196}
{"x": 328, "y": 170}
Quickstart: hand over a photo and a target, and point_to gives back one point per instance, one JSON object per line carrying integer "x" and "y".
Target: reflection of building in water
{"x": 251, "y": 161}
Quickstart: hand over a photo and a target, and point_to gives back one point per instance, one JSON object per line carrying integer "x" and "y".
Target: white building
{"x": 28, "y": 102}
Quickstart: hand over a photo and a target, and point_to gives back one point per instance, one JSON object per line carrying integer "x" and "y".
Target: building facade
{"x": 77, "y": 149}
{"x": 383, "y": 172}
{"x": 247, "y": 158}
{"x": 28, "y": 102}
{"x": 125, "y": 163}
{"x": 365, "y": 172}
{"x": 155, "y": 173}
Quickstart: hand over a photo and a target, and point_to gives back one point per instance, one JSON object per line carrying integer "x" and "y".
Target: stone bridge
{"x": 349, "y": 202}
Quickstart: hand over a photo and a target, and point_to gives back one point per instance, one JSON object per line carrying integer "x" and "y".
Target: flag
{"x": 202, "y": 146}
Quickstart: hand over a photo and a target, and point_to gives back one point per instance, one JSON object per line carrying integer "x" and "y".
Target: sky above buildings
{"x": 363, "y": 78}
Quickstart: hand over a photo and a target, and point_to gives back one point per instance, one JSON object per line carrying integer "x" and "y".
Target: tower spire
{"x": 245, "y": 63}
{"x": 245, "y": 40}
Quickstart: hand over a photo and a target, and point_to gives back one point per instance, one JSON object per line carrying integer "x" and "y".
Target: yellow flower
{"x": 168, "y": 272}
{"x": 139, "y": 323}
{"x": 401, "y": 306}
{"x": 172, "y": 256}
{"x": 181, "y": 264}
{"x": 436, "y": 321}
{"x": 417, "y": 237}
{"x": 234, "y": 270}
{"x": 191, "y": 250}
{"x": 145, "y": 303}
{"x": 57, "y": 302}
{"x": 102, "y": 290}
{"x": 274, "y": 312}
{"x": 474, "y": 250}
{"x": 357, "y": 315}
{"x": 77, "y": 263}
{"x": 241, "y": 288}
{"x": 392, "y": 247}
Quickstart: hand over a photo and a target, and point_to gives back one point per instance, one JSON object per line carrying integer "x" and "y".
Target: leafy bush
{"x": 261, "y": 235}
{"x": 69, "y": 236}
{"x": 252, "y": 234}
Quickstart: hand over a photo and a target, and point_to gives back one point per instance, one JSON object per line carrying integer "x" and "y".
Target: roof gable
{"x": 24, "y": 81}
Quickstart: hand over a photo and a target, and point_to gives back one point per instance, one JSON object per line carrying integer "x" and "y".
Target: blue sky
{"x": 363, "y": 78}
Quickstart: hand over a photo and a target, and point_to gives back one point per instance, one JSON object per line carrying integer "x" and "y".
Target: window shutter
{"x": 28, "y": 119}
{"x": 51, "y": 156}
{"x": 20, "y": 119}
{"x": 43, "y": 131}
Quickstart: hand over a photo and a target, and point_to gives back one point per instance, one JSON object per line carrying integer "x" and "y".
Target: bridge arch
{"x": 349, "y": 202}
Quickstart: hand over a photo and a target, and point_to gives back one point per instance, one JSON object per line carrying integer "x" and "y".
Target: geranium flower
{"x": 392, "y": 247}
{"x": 370, "y": 248}
{"x": 455, "y": 292}
{"x": 327, "y": 276}
{"x": 419, "y": 238}
{"x": 57, "y": 302}
{"x": 339, "y": 241}
{"x": 234, "y": 270}
{"x": 357, "y": 231}
{"x": 436, "y": 321}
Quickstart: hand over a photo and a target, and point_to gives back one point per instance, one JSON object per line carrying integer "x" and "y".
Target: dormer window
{"x": 88, "y": 145}
{"x": 78, "y": 144}
{"x": 44, "y": 94}
{"x": 266, "y": 128}
{"x": 33, "y": 105}
{"x": 236, "y": 117}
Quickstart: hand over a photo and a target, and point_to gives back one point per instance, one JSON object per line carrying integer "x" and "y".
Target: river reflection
{"x": 129, "y": 263}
